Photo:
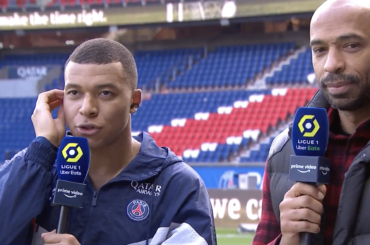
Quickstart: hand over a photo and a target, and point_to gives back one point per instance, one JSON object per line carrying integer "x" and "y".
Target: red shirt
{"x": 341, "y": 151}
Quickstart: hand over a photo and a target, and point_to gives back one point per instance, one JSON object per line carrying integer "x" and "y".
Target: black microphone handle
{"x": 65, "y": 213}
{"x": 305, "y": 238}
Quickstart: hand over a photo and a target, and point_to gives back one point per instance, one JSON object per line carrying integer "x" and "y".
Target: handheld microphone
{"x": 310, "y": 136}
{"x": 73, "y": 161}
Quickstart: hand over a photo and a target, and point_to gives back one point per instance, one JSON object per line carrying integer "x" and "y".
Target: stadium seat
{"x": 156, "y": 65}
{"x": 295, "y": 72}
{"x": 231, "y": 66}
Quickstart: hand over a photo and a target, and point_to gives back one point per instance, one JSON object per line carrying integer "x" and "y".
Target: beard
{"x": 357, "y": 97}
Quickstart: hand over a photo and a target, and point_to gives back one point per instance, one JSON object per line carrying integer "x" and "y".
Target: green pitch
{"x": 227, "y": 236}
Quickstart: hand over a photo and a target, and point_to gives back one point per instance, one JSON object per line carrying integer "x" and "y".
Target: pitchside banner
{"x": 232, "y": 208}
{"x": 27, "y": 71}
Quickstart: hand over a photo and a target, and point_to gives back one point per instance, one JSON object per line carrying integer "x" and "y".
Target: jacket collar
{"x": 319, "y": 101}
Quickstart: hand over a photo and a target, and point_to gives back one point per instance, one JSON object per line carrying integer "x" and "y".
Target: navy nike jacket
{"x": 156, "y": 199}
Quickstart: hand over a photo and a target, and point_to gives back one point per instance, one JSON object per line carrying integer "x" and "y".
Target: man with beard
{"x": 337, "y": 213}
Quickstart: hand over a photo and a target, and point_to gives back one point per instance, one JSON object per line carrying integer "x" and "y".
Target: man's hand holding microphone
{"x": 51, "y": 238}
{"x": 302, "y": 206}
{"x": 301, "y": 211}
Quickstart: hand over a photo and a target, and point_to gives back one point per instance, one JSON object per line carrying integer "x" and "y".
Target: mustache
{"x": 334, "y": 78}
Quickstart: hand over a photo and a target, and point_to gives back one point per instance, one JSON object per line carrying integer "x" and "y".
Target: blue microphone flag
{"x": 73, "y": 159}
{"x": 310, "y": 132}
{"x": 310, "y": 136}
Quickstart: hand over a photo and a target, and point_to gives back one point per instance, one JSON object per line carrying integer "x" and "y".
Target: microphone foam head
{"x": 310, "y": 132}
{"x": 73, "y": 159}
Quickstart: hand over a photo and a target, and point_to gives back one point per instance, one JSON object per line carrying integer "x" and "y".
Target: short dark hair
{"x": 101, "y": 51}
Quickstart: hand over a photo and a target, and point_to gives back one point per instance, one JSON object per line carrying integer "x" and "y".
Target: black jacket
{"x": 353, "y": 219}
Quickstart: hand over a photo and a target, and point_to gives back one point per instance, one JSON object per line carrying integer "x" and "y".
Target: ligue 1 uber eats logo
{"x": 71, "y": 153}
{"x": 308, "y": 127}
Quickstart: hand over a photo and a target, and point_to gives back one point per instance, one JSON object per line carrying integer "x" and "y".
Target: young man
{"x": 337, "y": 213}
{"x": 99, "y": 97}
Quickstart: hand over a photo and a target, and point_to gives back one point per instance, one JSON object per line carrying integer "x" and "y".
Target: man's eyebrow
{"x": 316, "y": 42}
{"x": 349, "y": 36}
{"x": 106, "y": 85}
{"x": 341, "y": 38}
{"x": 72, "y": 85}
{"x": 100, "y": 86}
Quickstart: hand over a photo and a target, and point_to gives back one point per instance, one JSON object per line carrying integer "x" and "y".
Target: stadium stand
{"x": 218, "y": 123}
{"x": 295, "y": 72}
{"x": 232, "y": 65}
{"x": 230, "y": 124}
{"x": 160, "y": 65}
{"x": 16, "y": 129}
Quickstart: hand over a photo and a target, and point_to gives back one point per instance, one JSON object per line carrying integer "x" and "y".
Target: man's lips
{"x": 88, "y": 126}
{"x": 338, "y": 84}
{"x": 339, "y": 87}
{"x": 88, "y": 129}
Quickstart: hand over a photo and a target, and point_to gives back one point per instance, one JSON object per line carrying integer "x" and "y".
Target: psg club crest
{"x": 138, "y": 210}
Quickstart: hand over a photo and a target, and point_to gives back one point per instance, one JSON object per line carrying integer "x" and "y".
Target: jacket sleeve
{"x": 25, "y": 185}
{"x": 268, "y": 230}
{"x": 193, "y": 222}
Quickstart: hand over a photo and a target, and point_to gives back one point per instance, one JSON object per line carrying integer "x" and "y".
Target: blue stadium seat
{"x": 161, "y": 64}
{"x": 231, "y": 65}
{"x": 294, "y": 73}
{"x": 16, "y": 128}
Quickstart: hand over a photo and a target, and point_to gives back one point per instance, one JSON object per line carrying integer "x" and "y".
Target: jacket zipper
{"x": 95, "y": 199}
{"x": 93, "y": 205}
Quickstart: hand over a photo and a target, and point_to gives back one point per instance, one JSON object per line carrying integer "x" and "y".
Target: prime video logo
{"x": 303, "y": 169}
{"x": 69, "y": 193}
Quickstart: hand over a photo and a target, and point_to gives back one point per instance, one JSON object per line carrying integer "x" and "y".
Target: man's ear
{"x": 136, "y": 100}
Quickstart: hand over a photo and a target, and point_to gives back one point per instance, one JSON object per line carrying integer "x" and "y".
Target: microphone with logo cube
{"x": 73, "y": 161}
{"x": 310, "y": 136}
